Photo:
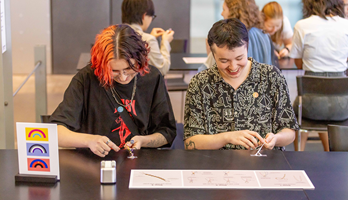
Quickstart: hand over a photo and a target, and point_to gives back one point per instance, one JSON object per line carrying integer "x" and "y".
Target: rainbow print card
{"x": 38, "y": 149}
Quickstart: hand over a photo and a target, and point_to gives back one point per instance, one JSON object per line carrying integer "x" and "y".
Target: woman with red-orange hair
{"x": 118, "y": 80}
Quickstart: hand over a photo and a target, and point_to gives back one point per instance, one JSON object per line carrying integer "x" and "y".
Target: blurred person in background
{"x": 139, "y": 14}
{"x": 320, "y": 47}
{"x": 260, "y": 45}
{"x": 278, "y": 27}
{"x": 346, "y": 8}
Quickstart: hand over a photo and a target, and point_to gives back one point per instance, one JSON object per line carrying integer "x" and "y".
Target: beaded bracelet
{"x": 287, "y": 49}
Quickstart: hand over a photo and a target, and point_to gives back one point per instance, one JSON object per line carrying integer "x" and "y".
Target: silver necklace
{"x": 113, "y": 91}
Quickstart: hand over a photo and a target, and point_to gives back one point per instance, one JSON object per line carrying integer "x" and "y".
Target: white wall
{"x": 202, "y": 17}
{"x": 30, "y": 21}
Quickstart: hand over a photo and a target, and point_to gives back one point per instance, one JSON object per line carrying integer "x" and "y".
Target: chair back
{"x": 321, "y": 85}
{"x": 338, "y": 137}
{"x": 176, "y": 84}
{"x": 178, "y": 46}
{"x": 45, "y": 118}
{"x": 178, "y": 142}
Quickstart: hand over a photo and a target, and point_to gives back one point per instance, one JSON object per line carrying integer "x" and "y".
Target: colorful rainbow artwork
{"x": 36, "y": 134}
{"x": 38, "y": 164}
{"x": 37, "y": 149}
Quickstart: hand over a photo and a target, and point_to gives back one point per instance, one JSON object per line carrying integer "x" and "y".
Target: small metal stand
{"x": 258, "y": 154}
{"x": 131, "y": 156}
{"x": 130, "y": 150}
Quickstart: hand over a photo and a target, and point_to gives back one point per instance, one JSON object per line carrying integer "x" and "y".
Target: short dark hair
{"x": 230, "y": 32}
{"x": 133, "y": 10}
{"x": 323, "y": 8}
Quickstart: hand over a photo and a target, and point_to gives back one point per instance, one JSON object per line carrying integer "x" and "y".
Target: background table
{"x": 287, "y": 64}
{"x": 178, "y": 64}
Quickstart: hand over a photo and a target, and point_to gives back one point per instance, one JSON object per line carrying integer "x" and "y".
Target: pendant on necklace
{"x": 120, "y": 109}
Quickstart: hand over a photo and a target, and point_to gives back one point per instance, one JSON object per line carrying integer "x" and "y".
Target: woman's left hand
{"x": 270, "y": 141}
{"x": 136, "y": 142}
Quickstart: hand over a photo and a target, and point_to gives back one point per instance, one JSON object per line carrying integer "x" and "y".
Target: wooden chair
{"x": 178, "y": 46}
{"x": 338, "y": 137}
{"x": 178, "y": 142}
{"x": 334, "y": 86}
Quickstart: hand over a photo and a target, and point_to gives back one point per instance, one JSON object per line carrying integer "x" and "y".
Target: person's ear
{"x": 143, "y": 16}
{"x": 212, "y": 51}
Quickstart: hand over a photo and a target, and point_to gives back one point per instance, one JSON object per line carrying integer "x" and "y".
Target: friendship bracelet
{"x": 287, "y": 49}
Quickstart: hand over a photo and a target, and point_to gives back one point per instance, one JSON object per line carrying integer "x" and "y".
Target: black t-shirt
{"x": 89, "y": 108}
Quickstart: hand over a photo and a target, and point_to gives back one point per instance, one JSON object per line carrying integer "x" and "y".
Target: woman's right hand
{"x": 244, "y": 138}
{"x": 168, "y": 35}
{"x": 101, "y": 145}
{"x": 284, "y": 52}
{"x": 276, "y": 54}
{"x": 157, "y": 32}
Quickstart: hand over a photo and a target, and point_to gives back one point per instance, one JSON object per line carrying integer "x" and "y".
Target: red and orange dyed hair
{"x": 118, "y": 42}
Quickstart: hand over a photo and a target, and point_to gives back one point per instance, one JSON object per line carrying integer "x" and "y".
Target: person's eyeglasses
{"x": 126, "y": 72}
{"x": 154, "y": 17}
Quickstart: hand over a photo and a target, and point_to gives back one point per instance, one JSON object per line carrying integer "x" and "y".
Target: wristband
{"x": 287, "y": 49}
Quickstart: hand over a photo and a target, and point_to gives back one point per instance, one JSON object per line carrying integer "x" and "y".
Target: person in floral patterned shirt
{"x": 239, "y": 103}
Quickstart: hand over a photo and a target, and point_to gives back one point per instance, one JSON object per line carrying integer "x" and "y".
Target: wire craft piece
{"x": 209, "y": 180}
{"x": 298, "y": 180}
{"x": 130, "y": 150}
{"x": 258, "y": 154}
{"x": 246, "y": 180}
{"x": 158, "y": 177}
{"x": 263, "y": 174}
{"x": 227, "y": 180}
{"x": 282, "y": 178}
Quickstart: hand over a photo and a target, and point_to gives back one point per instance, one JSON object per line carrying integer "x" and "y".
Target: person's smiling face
{"x": 273, "y": 25}
{"x": 231, "y": 62}
{"x": 121, "y": 71}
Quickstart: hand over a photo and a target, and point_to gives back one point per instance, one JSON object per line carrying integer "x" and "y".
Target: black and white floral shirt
{"x": 261, "y": 103}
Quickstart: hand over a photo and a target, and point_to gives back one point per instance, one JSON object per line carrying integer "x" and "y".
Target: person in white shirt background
{"x": 346, "y": 8}
{"x": 139, "y": 14}
{"x": 320, "y": 47}
{"x": 278, "y": 27}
